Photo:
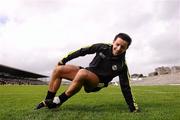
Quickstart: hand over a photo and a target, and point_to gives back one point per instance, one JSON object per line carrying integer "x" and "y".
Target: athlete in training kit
{"x": 108, "y": 63}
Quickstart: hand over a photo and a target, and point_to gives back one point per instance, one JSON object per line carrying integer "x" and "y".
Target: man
{"x": 108, "y": 63}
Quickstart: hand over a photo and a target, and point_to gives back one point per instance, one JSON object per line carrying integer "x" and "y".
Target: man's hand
{"x": 135, "y": 111}
{"x": 134, "y": 108}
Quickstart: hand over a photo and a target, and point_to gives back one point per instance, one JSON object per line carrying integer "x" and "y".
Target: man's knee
{"x": 81, "y": 76}
{"x": 58, "y": 70}
{"x": 82, "y": 73}
{"x": 88, "y": 79}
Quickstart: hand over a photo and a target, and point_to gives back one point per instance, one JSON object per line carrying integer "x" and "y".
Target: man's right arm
{"x": 81, "y": 52}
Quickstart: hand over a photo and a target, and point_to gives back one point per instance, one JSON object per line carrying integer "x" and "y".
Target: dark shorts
{"x": 102, "y": 78}
{"x": 103, "y": 81}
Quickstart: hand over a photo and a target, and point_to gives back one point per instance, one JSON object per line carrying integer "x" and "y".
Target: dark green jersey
{"x": 104, "y": 64}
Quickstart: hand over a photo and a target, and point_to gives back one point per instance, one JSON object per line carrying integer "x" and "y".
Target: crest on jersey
{"x": 114, "y": 67}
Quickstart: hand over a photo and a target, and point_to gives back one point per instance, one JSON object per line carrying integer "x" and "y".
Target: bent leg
{"x": 63, "y": 71}
{"x": 83, "y": 77}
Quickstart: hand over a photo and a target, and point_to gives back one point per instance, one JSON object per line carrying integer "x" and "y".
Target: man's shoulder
{"x": 106, "y": 44}
{"x": 103, "y": 44}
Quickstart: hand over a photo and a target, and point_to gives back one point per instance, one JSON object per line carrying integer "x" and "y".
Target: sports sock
{"x": 50, "y": 95}
{"x": 63, "y": 97}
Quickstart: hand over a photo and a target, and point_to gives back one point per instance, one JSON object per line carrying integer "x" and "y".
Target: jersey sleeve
{"x": 124, "y": 78}
{"x": 82, "y": 52}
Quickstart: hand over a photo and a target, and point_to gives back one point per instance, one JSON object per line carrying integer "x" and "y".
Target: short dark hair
{"x": 125, "y": 37}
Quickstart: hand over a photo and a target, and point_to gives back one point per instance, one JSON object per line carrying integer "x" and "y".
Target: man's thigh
{"x": 91, "y": 81}
{"x": 68, "y": 71}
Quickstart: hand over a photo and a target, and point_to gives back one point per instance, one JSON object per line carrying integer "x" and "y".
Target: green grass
{"x": 156, "y": 102}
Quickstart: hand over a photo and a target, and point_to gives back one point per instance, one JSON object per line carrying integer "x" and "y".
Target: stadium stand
{"x": 10, "y": 75}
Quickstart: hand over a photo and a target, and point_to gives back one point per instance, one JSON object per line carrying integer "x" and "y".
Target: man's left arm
{"x": 126, "y": 89}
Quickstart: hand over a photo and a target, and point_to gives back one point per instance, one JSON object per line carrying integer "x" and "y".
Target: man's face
{"x": 119, "y": 46}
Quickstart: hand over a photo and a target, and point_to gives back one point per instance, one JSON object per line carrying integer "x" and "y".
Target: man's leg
{"x": 82, "y": 78}
{"x": 63, "y": 71}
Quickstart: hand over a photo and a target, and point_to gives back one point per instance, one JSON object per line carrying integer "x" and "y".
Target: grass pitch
{"x": 156, "y": 102}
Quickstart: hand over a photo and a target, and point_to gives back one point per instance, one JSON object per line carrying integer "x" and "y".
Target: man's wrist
{"x": 134, "y": 108}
